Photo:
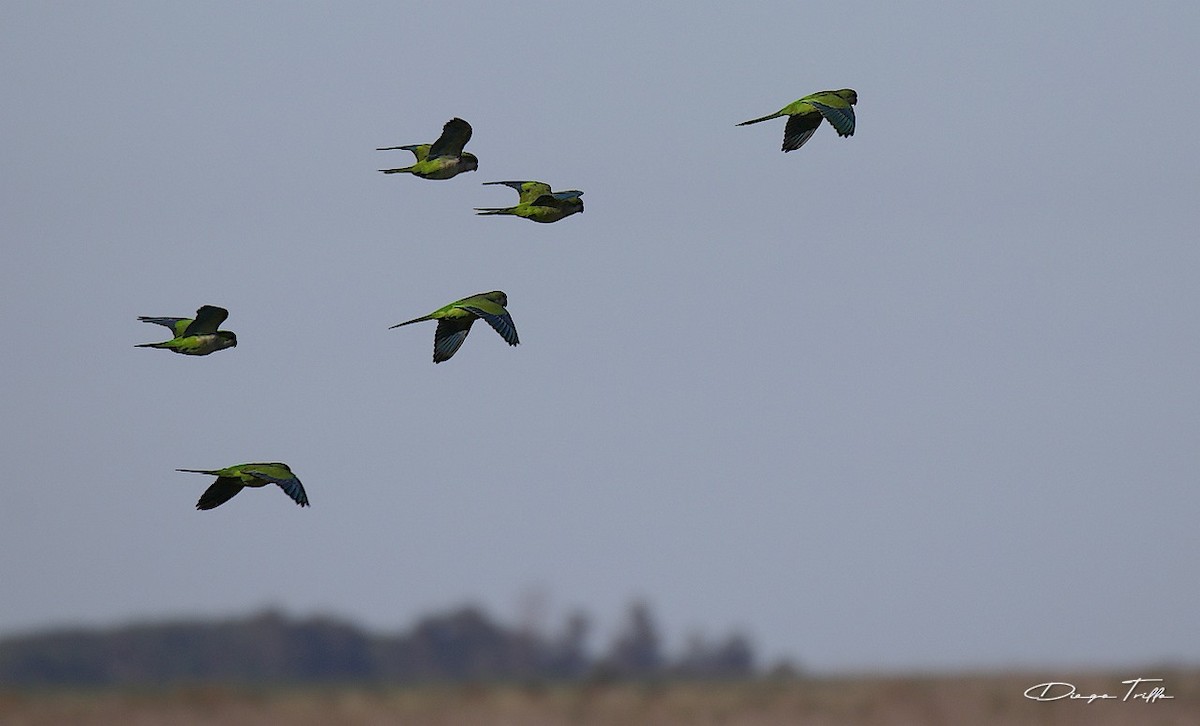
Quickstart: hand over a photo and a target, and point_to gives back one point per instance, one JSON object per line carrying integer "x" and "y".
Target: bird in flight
{"x": 538, "y": 203}
{"x": 195, "y": 336}
{"x": 443, "y": 158}
{"x": 232, "y": 479}
{"x": 455, "y": 320}
{"x": 804, "y": 116}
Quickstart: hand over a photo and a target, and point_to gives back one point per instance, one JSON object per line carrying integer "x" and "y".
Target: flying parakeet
{"x": 538, "y": 202}
{"x": 804, "y": 116}
{"x": 195, "y": 336}
{"x": 232, "y": 479}
{"x": 455, "y": 319}
{"x": 443, "y": 158}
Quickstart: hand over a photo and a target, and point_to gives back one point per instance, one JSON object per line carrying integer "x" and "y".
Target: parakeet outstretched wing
{"x": 495, "y": 316}
{"x": 221, "y": 491}
{"x": 529, "y": 190}
{"x": 208, "y": 319}
{"x": 418, "y": 150}
{"x": 177, "y": 325}
{"x": 549, "y": 200}
{"x": 449, "y": 337}
{"x": 799, "y": 130}
{"x": 283, "y": 476}
{"x": 841, "y": 118}
{"x": 455, "y": 135}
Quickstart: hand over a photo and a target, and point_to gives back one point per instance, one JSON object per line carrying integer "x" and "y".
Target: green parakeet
{"x": 455, "y": 319}
{"x": 195, "y": 336}
{"x": 804, "y": 116}
{"x": 232, "y": 479}
{"x": 443, "y": 158}
{"x": 538, "y": 202}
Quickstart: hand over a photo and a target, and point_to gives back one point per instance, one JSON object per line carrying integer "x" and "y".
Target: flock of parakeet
{"x": 445, "y": 159}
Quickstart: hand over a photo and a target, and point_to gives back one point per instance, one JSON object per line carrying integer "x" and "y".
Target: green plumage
{"x": 455, "y": 320}
{"x": 804, "y": 116}
{"x": 538, "y": 202}
{"x": 195, "y": 336}
{"x": 444, "y": 158}
{"x": 232, "y": 479}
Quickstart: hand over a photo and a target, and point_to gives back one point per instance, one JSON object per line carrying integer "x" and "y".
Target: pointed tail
{"x": 757, "y": 120}
{"x": 198, "y": 471}
{"x": 494, "y": 210}
{"x": 421, "y": 319}
{"x": 405, "y": 170}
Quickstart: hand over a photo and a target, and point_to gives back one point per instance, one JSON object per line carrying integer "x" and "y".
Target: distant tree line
{"x": 270, "y": 647}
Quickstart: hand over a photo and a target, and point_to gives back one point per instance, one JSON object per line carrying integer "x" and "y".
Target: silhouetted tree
{"x": 730, "y": 658}
{"x": 635, "y": 651}
{"x": 461, "y": 645}
{"x": 567, "y": 657}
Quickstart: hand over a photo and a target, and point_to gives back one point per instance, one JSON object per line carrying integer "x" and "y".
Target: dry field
{"x": 952, "y": 700}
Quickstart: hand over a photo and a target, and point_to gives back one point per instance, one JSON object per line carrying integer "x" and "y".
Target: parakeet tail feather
{"x": 421, "y": 319}
{"x": 757, "y": 120}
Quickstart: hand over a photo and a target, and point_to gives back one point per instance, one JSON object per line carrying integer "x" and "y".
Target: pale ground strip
{"x": 924, "y": 700}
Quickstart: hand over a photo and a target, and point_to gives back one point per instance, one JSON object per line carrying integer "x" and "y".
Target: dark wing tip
{"x": 502, "y": 324}
{"x": 221, "y": 491}
{"x": 449, "y": 337}
{"x": 799, "y": 129}
{"x": 294, "y": 489}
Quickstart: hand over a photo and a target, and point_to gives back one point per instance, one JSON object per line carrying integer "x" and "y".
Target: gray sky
{"x": 922, "y": 397}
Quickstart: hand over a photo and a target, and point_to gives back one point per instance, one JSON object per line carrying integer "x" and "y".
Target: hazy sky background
{"x": 924, "y": 397}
